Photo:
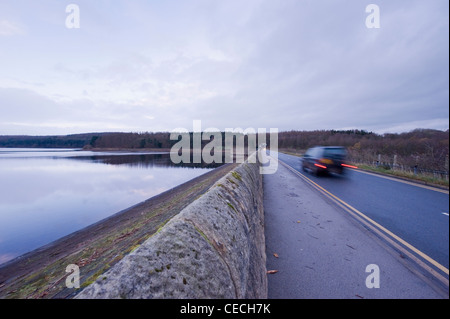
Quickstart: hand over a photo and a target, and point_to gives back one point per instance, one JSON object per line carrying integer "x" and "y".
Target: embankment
{"x": 96, "y": 248}
{"x": 214, "y": 248}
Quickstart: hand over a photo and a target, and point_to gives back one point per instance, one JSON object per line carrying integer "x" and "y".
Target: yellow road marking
{"x": 381, "y": 230}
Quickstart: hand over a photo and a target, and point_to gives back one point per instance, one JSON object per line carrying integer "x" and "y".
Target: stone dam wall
{"x": 214, "y": 248}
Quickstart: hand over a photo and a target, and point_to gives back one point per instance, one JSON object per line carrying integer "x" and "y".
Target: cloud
{"x": 406, "y": 126}
{"x": 291, "y": 64}
{"x": 8, "y": 28}
{"x": 25, "y": 111}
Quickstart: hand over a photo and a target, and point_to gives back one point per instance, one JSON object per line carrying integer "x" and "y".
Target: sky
{"x": 151, "y": 66}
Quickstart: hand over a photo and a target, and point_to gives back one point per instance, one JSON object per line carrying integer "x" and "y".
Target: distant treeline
{"x": 132, "y": 141}
{"x": 57, "y": 141}
{"x": 119, "y": 140}
{"x": 90, "y": 140}
{"x": 422, "y": 147}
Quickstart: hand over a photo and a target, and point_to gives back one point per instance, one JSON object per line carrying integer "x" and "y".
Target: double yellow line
{"x": 398, "y": 243}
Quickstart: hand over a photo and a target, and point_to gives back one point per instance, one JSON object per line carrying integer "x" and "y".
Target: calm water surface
{"x": 47, "y": 194}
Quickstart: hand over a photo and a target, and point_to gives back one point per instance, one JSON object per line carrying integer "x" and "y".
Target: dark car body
{"x": 325, "y": 159}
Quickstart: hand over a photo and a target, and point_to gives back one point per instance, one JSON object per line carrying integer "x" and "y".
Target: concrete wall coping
{"x": 214, "y": 248}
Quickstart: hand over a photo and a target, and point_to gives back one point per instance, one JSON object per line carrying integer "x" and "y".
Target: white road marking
{"x": 405, "y": 181}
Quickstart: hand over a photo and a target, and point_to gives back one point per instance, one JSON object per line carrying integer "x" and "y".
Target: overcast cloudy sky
{"x": 146, "y": 65}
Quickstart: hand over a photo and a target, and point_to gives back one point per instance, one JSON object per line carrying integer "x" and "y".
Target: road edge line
{"x": 381, "y": 231}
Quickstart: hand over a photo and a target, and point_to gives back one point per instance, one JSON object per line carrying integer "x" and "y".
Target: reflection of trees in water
{"x": 143, "y": 160}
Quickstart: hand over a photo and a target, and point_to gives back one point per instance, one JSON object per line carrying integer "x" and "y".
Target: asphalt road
{"x": 414, "y": 217}
{"x": 416, "y": 214}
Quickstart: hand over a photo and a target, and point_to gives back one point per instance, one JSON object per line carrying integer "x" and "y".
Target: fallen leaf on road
{"x": 298, "y": 221}
{"x": 272, "y": 272}
{"x": 275, "y": 254}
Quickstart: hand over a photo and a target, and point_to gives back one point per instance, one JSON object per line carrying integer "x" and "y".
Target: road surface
{"x": 325, "y": 231}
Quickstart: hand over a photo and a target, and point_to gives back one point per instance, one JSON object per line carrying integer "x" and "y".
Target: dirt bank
{"x": 41, "y": 273}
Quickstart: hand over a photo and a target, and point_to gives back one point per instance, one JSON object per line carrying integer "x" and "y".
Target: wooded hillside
{"x": 428, "y": 149}
{"x": 424, "y": 148}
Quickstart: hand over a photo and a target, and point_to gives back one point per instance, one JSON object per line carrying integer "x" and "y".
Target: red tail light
{"x": 321, "y": 166}
{"x": 349, "y": 166}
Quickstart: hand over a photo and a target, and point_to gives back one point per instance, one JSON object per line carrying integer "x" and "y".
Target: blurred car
{"x": 326, "y": 159}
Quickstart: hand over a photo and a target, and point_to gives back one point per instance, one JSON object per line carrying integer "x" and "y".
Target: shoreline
{"x": 95, "y": 248}
{"x": 130, "y": 150}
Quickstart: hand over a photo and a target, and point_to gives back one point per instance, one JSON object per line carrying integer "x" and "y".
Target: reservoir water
{"x": 46, "y": 194}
